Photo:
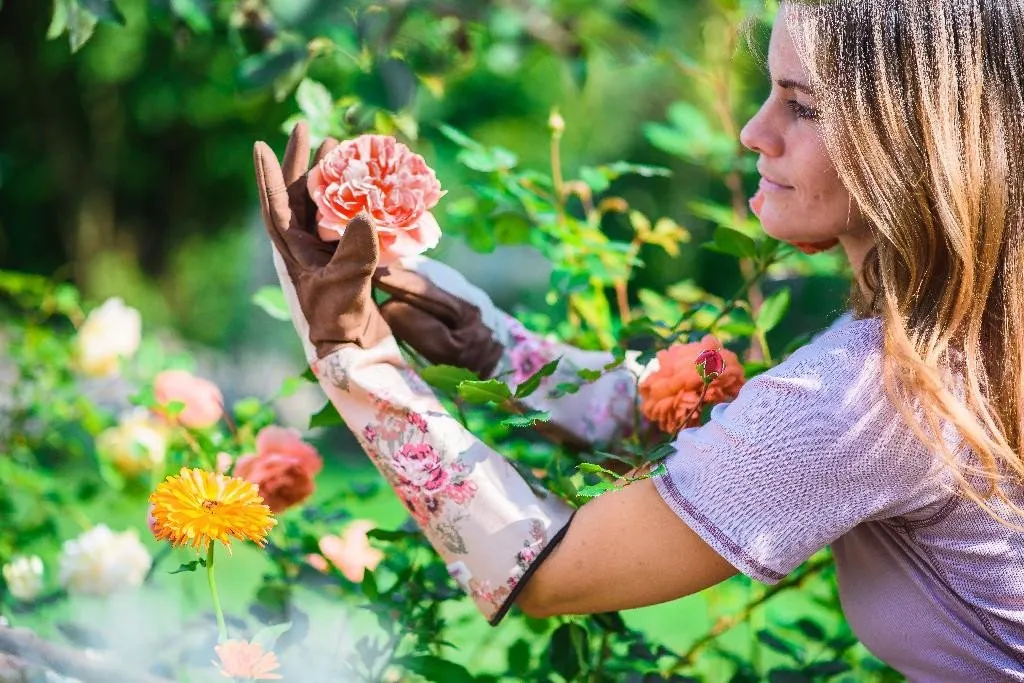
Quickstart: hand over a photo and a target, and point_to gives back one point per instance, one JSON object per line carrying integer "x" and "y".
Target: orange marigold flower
{"x": 245, "y": 660}
{"x": 669, "y": 394}
{"x": 197, "y": 507}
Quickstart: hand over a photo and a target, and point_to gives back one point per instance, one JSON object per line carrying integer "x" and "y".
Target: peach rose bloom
{"x": 284, "y": 467}
{"x": 247, "y": 661}
{"x": 670, "y": 392}
{"x": 204, "y": 404}
{"x": 351, "y": 552}
{"x": 379, "y": 176}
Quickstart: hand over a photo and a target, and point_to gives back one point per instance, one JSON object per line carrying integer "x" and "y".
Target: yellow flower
{"x": 242, "y": 659}
{"x": 198, "y": 507}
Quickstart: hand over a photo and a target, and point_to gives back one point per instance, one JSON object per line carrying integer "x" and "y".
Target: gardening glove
{"x": 490, "y": 527}
{"x": 447, "y": 320}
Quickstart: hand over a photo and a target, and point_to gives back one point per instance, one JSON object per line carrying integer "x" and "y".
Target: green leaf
{"x": 263, "y": 69}
{"x": 527, "y": 419}
{"x": 436, "y": 669}
{"x": 811, "y": 629}
{"x": 595, "y": 490}
{"x": 327, "y": 417}
{"x": 486, "y": 391}
{"x": 80, "y": 24}
{"x": 734, "y": 243}
{"x": 267, "y": 636}
{"x": 290, "y": 385}
{"x": 369, "y": 585}
{"x": 271, "y": 300}
{"x": 778, "y": 645}
{"x": 104, "y": 10}
{"x": 458, "y": 137}
{"x": 390, "y": 534}
{"x": 315, "y": 101}
{"x": 194, "y": 14}
{"x": 591, "y": 468}
{"x": 569, "y": 648}
{"x": 532, "y": 383}
{"x": 772, "y": 310}
{"x": 190, "y": 566}
{"x": 447, "y": 378}
{"x": 519, "y": 657}
{"x": 59, "y": 20}
{"x": 787, "y": 676}
{"x": 247, "y": 408}
{"x": 827, "y": 669}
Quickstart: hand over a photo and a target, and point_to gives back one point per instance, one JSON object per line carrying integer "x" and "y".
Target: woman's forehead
{"x": 784, "y": 63}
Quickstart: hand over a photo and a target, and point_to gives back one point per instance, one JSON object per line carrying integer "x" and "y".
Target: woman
{"x": 894, "y": 126}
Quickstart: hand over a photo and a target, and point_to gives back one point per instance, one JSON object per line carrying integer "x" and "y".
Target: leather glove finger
{"x": 469, "y": 345}
{"x": 418, "y": 290}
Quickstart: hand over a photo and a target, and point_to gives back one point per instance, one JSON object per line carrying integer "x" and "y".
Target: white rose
{"x": 24, "y": 577}
{"x": 136, "y": 445}
{"x": 110, "y": 332}
{"x": 101, "y": 562}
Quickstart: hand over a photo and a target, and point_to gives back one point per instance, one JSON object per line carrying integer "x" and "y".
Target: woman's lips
{"x": 769, "y": 186}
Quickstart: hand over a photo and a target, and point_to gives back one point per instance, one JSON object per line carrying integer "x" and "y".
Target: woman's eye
{"x": 802, "y": 111}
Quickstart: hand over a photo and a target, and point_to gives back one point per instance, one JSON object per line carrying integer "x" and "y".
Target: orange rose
{"x": 669, "y": 394}
{"x": 283, "y": 466}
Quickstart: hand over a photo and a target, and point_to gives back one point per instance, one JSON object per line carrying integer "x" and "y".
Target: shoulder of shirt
{"x": 849, "y": 352}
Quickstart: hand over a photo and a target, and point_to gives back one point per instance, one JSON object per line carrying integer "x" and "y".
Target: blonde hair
{"x": 923, "y": 113}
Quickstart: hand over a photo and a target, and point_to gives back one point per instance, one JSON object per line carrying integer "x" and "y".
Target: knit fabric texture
{"x": 814, "y": 453}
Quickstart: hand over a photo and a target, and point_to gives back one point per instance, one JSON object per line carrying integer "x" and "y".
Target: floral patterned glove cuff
{"x": 601, "y": 412}
{"x": 488, "y": 525}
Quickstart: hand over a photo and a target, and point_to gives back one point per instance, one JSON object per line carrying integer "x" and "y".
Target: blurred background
{"x": 126, "y": 137}
{"x": 125, "y": 167}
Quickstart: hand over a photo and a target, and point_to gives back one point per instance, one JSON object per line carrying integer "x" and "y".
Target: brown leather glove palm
{"x": 332, "y": 282}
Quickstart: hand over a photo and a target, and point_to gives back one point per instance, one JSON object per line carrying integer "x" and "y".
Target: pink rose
{"x": 204, "y": 404}
{"x": 283, "y": 466}
{"x": 377, "y": 175}
{"x": 461, "y": 492}
{"x": 420, "y": 466}
{"x": 351, "y": 552}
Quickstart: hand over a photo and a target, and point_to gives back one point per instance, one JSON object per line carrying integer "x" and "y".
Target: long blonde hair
{"x": 923, "y": 113}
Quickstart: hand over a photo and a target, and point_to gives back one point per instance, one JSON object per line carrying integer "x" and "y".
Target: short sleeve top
{"x": 814, "y": 453}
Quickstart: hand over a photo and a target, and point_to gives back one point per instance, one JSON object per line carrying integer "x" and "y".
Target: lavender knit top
{"x": 813, "y": 453}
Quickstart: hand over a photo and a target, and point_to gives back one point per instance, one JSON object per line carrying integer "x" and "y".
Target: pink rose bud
{"x": 710, "y": 365}
{"x": 202, "y": 400}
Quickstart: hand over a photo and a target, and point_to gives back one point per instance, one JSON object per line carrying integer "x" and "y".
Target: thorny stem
{"x": 222, "y": 628}
{"x": 700, "y": 402}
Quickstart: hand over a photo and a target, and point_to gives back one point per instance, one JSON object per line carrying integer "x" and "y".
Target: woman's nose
{"x": 759, "y": 136}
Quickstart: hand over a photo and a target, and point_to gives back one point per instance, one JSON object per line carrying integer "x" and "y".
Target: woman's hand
{"x": 331, "y": 282}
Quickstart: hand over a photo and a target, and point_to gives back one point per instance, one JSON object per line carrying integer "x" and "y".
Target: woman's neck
{"x": 857, "y": 245}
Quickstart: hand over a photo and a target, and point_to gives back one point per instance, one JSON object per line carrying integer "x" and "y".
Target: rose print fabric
{"x": 481, "y": 516}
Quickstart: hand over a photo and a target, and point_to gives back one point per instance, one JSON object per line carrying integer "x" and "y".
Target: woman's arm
{"x": 622, "y": 550}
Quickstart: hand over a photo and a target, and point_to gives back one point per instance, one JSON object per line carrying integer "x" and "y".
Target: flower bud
{"x": 24, "y": 577}
{"x": 710, "y": 365}
{"x": 556, "y": 123}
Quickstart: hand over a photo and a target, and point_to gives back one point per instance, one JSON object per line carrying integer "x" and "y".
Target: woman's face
{"x": 801, "y": 198}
